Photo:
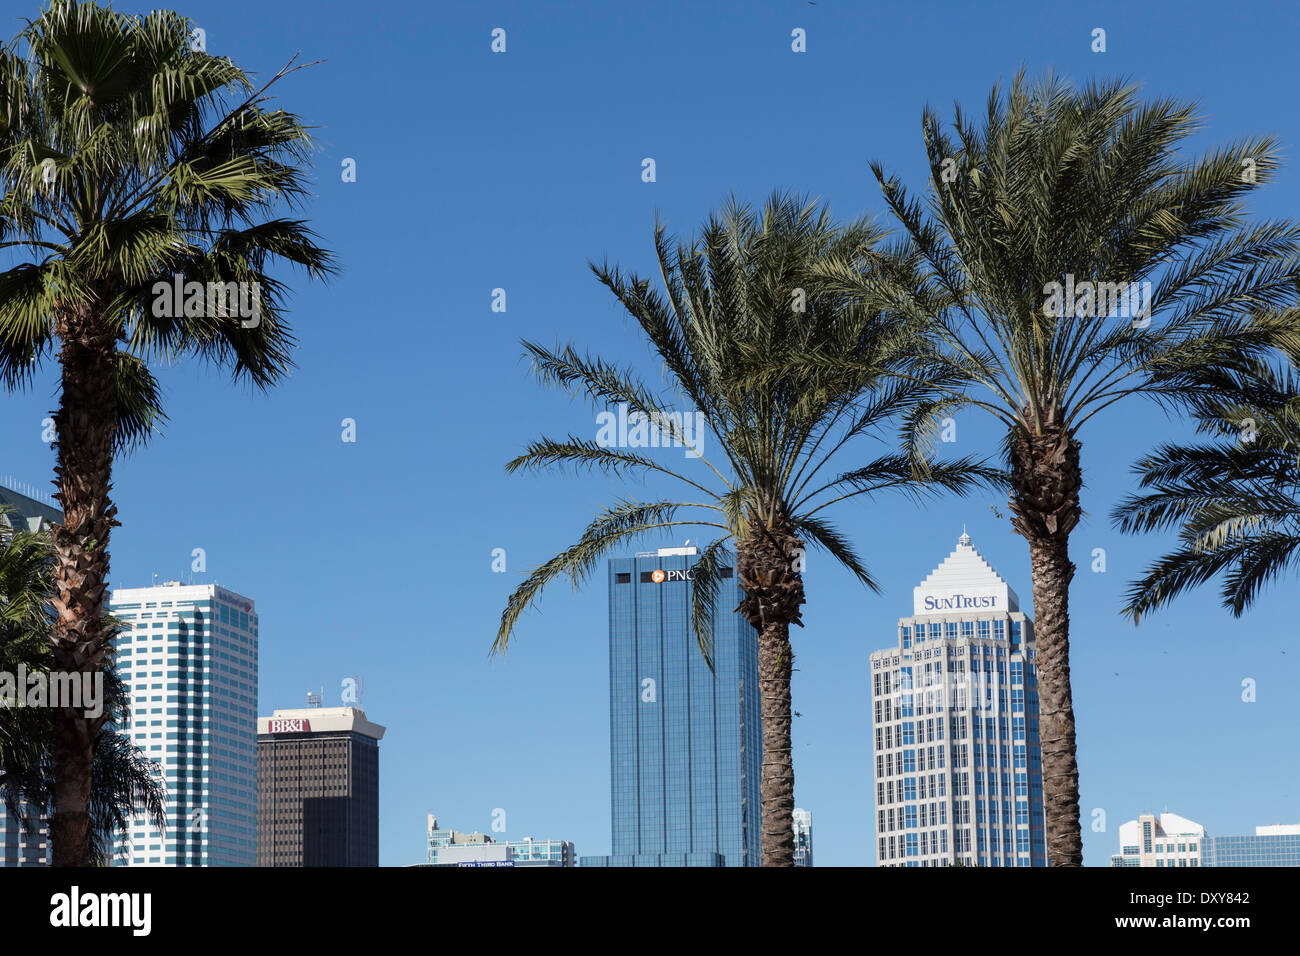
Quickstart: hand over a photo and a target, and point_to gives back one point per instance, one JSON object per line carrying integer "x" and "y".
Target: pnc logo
{"x": 659, "y": 576}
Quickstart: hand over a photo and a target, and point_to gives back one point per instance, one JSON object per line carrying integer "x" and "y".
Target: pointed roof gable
{"x": 963, "y": 582}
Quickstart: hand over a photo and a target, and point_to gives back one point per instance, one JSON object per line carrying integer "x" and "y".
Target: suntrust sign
{"x": 960, "y": 602}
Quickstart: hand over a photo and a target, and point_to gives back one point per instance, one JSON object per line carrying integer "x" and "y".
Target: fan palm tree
{"x": 1069, "y": 258}
{"x": 131, "y": 165}
{"x": 735, "y": 298}
{"x": 125, "y": 781}
{"x": 1235, "y": 500}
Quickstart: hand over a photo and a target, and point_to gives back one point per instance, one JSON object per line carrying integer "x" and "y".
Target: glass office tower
{"x": 686, "y": 742}
{"x": 189, "y": 659}
{"x": 19, "y": 846}
{"x": 955, "y": 705}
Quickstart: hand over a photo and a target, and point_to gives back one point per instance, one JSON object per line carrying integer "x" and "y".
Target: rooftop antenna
{"x": 314, "y": 700}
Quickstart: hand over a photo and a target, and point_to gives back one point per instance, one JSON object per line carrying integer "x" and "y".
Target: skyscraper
{"x": 803, "y": 844}
{"x": 189, "y": 658}
{"x": 17, "y": 846}
{"x": 686, "y": 742}
{"x": 318, "y": 788}
{"x": 955, "y": 708}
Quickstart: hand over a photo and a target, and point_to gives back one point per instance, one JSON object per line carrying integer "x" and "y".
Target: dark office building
{"x": 686, "y": 742}
{"x": 318, "y": 788}
{"x": 20, "y": 847}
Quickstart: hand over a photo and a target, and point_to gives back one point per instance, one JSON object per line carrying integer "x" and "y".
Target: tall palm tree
{"x": 130, "y": 162}
{"x": 1070, "y": 258}
{"x": 739, "y": 296}
{"x": 1235, "y": 500}
{"x": 125, "y": 781}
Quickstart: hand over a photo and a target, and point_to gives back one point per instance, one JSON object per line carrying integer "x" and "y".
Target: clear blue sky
{"x": 477, "y": 171}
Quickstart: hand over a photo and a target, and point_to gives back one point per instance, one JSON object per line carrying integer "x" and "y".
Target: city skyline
{"x": 244, "y": 479}
{"x": 35, "y": 513}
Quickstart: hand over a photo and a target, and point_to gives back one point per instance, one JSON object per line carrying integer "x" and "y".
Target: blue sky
{"x": 478, "y": 171}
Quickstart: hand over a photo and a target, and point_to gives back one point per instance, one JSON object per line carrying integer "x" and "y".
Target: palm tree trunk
{"x": 776, "y": 785}
{"x": 765, "y": 564}
{"x": 1046, "y": 479}
{"x": 85, "y": 424}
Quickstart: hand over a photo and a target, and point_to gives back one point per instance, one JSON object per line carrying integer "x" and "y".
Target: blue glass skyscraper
{"x": 686, "y": 742}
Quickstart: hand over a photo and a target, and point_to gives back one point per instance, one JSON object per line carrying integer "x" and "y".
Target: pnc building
{"x": 958, "y": 765}
{"x": 318, "y": 788}
{"x": 685, "y": 742}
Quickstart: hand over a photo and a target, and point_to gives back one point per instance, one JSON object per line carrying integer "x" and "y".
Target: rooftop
{"x": 964, "y": 581}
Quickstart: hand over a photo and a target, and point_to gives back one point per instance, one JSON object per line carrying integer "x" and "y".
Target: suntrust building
{"x": 955, "y": 720}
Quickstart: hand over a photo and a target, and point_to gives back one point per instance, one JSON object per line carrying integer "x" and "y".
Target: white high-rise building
{"x": 1163, "y": 839}
{"x": 955, "y": 708}
{"x": 189, "y": 658}
{"x": 803, "y": 844}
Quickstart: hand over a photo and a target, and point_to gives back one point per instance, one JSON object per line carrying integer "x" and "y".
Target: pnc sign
{"x": 289, "y": 725}
{"x": 960, "y": 602}
{"x": 659, "y": 576}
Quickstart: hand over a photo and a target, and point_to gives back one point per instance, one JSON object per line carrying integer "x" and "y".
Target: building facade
{"x": 803, "y": 844}
{"x": 25, "y": 513}
{"x": 1163, "y": 839}
{"x": 454, "y": 848}
{"x": 1166, "y": 839}
{"x": 1274, "y": 845}
{"x": 958, "y": 765}
{"x": 685, "y": 742}
{"x": 18, "y": 846}
{"x": 318, "y": 788}
{"x": 188, "y": 655}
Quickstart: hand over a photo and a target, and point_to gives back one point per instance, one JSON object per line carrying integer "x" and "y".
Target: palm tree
{"x": 1069, "y": 258}
{"x": 131, "y": 164}
{"x": 1234, "y": 500}
{"x": 125, "y": 780}
{"x": 739, "y": 296}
